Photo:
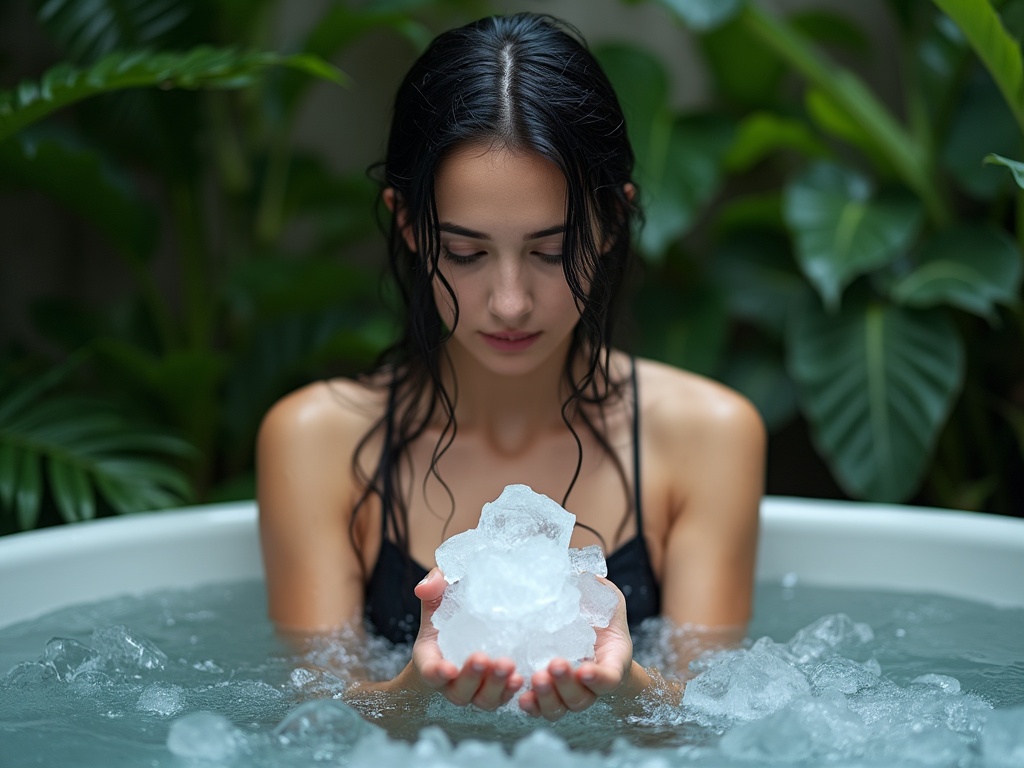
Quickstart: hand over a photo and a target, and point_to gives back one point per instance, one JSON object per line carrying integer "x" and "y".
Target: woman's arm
{"x": 306, "y": 493}
{"x": 718, "y": 453}
{"x": 704, "y": 459}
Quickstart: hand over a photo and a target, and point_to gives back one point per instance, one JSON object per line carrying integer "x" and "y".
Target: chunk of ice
{"x": 161, "y": 699}
{"x": 589, "y": 560}
{"x": 326, "y": 727}
{"x": 516, "y": 589}
{"x": 519, "y": 513}
{"x": 204, "y": 736}
{"x": 746, "y": 685}
{"x": 1002, "y": 739}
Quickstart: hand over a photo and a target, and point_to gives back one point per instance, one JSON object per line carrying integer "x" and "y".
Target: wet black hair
{"x": 525, "y": 83}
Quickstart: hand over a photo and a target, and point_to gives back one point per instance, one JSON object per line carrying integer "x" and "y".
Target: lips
{"x": 510, "y": 341}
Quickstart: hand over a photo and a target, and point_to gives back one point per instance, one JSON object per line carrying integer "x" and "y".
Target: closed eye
{"x": 549, "y": 258}
{"x": 461, "y": 258}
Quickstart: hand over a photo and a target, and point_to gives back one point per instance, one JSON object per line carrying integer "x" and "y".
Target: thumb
{"x": 430, "y": 591}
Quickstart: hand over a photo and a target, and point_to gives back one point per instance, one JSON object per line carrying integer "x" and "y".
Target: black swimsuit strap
{"x": 636, "y": 448}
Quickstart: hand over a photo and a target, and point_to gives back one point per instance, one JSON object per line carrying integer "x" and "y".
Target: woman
{"x": 510, "y": 205}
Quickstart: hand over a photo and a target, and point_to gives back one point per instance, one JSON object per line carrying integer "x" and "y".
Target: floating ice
{"x": 204, "y": 736}
{"x": 516, "y": 590}
{"x": 325, "y": 728}
{"x": 162, "y": 699}
{"x": 1002, "y": 741}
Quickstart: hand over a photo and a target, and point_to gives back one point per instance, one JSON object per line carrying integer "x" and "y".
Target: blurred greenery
{"x": 844, "y": 260}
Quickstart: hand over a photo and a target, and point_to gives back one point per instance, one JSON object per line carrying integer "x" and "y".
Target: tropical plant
{"x": 168, "y": 127}
{"x": 832, "y": 255}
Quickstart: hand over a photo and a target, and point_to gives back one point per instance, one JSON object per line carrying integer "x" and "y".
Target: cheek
{"x": 444, "y": 301}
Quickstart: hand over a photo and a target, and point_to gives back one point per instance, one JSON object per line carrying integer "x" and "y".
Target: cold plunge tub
{"x": 826, "y": 543}
{"x": 850, "y": 712}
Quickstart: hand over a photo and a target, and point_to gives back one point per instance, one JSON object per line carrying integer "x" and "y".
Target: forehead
{"x": 492, "y": 189}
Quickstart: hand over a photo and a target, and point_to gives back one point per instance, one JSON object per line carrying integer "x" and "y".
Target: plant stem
{"x": 894, "y": 143}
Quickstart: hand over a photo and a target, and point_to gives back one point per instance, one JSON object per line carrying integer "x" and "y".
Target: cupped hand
{"x": 484, "y": 682}
{"x": 560, "y": 689}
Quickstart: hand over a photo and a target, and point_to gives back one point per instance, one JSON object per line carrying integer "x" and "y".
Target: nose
{"x": 511, "y": 296}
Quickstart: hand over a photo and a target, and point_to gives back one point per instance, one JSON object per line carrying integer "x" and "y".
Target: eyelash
{"x": 463, "y": 260}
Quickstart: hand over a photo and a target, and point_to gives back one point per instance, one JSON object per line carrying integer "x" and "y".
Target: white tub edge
{"x": 828, "y": 543}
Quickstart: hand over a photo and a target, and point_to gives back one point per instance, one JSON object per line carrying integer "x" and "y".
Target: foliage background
{"x": 822, "y": 233}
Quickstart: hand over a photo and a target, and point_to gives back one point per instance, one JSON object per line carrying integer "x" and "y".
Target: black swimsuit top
{"x": 393, "y": 611}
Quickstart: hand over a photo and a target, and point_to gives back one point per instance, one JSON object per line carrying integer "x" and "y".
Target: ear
{"x": 630, "y": 191}
{"x": 394, "y": 203}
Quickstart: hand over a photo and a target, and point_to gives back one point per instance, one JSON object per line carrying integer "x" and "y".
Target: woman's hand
{"x": 484, "y": 682}
{"x": 560, "y": 689}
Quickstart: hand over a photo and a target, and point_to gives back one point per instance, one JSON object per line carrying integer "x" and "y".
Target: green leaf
{"x": 999, "y": 52}
{"x": 72, "y": 491}
{"x": 8, "y": 474}
{"x": 678, "y": 158}
{"x": 1016, "y": 167}
{"x": 876, "y": 383}
{"x": 685, "y": 328}
{"x": 980, "y": 124}
{"x": 682, "y": 180}
{"x": 762, "y": 134}
{"x": 761, "y": 282}
{"x": 703, "y": 15}
{"x": 751, "y": 79}
{"x": 832, "y": 119}
{"x": 842, "y": 230}
{"x": 28, "y": 494}
{"x": 973, "y": 268}
{"x": 83, "y": 446}
{"x": 79, "y": 178}
{"x": 202, "y": 67}
{"x": 89, "y": 29}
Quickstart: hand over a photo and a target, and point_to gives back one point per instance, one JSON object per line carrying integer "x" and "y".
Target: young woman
{"x": 510, "y": 206}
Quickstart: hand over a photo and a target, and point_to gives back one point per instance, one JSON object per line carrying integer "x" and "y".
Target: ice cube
{"x": 204, "y": 736}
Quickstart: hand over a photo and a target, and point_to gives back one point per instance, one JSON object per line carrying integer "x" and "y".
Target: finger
{"x": 599, "y": 679}
{"x": 495, "y": 689}
{"x": 570, "y": 691}
{"x": 528, "y": 703}
{"x": 431, "y": 589}
{"x": 464, "y": 687}
{"x": 438, "y": 672}
{"x": 551, "y": 707}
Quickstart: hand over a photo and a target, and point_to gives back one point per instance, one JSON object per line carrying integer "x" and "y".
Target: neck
{"x": 507, "y": 411}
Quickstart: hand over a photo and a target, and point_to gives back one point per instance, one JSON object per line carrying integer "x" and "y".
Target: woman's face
{"x": 502, "y": 221}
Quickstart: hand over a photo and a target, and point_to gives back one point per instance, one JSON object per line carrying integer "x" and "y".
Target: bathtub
{"x": 825, "y": 543}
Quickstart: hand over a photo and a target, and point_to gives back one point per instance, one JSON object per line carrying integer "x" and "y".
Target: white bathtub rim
{"x": 821, "y": 542}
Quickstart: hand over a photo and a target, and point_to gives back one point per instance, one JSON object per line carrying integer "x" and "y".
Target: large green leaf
{"x": 973, "y": 268}
{"x": 876, "y": 383}
{"x": 757, "y": 370}
{"x": 202, "y": 67}
{"x": 80, "y": 179}
{"x": 86, "y": 447}
{"x": 685, "y": 327}
{"x": 90, "y": 29}
{"x": 703, "y": 15}
{"x": 842, "y": 230}
{"x": 761, "y": 134}
{"x": 756, "y": 271}
{"x": 678, "y": 158}
{"x": 1000, "y": 53}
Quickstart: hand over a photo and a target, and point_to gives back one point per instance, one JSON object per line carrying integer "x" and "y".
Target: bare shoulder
{"x": 680, "y": 405}
{"x": 329, "y": 413}
{"x": 307, "y": 442}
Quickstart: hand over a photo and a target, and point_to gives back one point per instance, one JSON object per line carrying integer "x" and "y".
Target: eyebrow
{"x": 455, "y": 229}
